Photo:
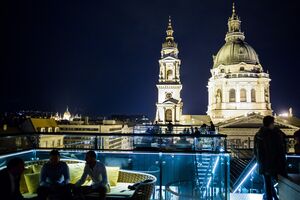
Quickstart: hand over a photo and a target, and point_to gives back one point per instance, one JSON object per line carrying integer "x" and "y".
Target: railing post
{"x": 160, "y": 175}
{"x": 96, "y": 142}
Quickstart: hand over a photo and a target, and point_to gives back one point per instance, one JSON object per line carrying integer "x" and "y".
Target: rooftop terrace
{"x": 186, "y": 166}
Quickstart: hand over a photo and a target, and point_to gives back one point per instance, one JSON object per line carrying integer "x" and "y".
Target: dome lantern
{"x": 235, "y": 50}
{"x": 234, "y": 27}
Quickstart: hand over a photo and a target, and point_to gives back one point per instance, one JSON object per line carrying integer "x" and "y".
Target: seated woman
{"x": 97, "y": 172}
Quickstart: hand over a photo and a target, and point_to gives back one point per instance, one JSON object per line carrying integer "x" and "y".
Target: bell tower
{"x": 169, "y": 104}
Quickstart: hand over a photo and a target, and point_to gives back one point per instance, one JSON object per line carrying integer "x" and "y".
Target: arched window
{"x": 168, "y": 115}
{"x": 253, "y": 95}
{"x": 169, "y": 75}
{"x": 243, "y": 95}
{"x": 232, "y": 95}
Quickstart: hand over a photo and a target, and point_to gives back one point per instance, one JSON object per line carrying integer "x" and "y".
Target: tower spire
{"x": 169, "y": 30}
{"x": 169, "y": 42}
{"x": 234, "y": 16}
{"x": 233, "y": 10}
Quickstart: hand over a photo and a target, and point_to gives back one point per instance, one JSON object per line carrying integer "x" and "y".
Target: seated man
{"x": 55, "y": 178}
{"x": 97, "y": 172}
{"x": 10, "y": 180}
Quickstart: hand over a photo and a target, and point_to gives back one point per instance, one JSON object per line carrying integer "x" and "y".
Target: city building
{"x": 238, "y": 84}
{"x": 80, "y": 140}
{"x": 238, "y": 90}
{"x": 46, "y": 126}
{"x": 241, "y": 130}
{"x": 67, "y": 116}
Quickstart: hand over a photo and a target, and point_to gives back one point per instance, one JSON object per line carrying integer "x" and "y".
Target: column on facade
{"x": 173, "y": 114}
{"x": 164, "y": 115}
{"x": 248, "y": 92}
{"x": 237, "y": 94}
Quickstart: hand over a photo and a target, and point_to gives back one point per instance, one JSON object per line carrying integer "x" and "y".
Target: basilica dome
{"x": 234, "y": 52}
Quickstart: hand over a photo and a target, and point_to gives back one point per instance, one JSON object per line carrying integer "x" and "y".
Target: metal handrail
{"x": 34, "y": 142}
{"x": 165, "y": 135}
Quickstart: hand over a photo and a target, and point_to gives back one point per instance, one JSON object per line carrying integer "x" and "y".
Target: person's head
{"x": 90, "y": 157}
{"x": 268, "y": 122}
{"x": 196, "y": 129}
{"x": 297, "y": 136}
{"x": 16, "y": 166}
{"x": 54, "y": 157}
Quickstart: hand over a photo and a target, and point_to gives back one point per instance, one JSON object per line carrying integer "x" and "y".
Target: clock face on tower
{"x": 168, "y": 95}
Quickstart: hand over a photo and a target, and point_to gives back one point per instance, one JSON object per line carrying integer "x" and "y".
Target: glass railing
{"x": 174, "y": 129}
{"x": 251, "y": 181}
{"x": 185, "y": 166}
{"x": 115, "y": 141}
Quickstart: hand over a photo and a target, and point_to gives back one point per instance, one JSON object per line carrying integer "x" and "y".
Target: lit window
{"x": 253, "y": 95}
{"x": 168, "y": 115}
{"x": 169, "y": 74}
{"x": 232, "y": 95}
{"x": 243, "y": 95}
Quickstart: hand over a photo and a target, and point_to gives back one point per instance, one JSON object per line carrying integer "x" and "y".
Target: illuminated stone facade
{"x": 169, "y": 105}
{"x": 238, "y": 84}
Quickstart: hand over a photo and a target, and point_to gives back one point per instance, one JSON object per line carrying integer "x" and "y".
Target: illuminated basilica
{"x": 238, "y": 84}
{"x": 238, "y": 89}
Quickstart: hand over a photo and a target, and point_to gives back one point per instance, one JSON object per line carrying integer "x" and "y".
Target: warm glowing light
{"x": 283, "y": 114}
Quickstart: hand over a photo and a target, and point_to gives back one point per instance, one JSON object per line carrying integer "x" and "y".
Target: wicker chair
{"x": 142, "y": 192}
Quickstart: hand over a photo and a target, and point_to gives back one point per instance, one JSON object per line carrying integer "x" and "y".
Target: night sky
{"x": 101, "y": 57}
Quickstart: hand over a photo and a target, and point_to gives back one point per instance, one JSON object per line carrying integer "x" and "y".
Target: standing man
{"x": 170, "y": 127}
{"x": 269, "y": 150}
{"x": 54, "y": 179}
{"x": 10, "y": 180}
{"x": 97, "y": 172}
{"x": 212, "y": 128}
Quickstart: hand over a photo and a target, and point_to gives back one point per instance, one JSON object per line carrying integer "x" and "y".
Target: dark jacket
{"x": 5, "y": 187}
{"x": 269, "y": 150}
